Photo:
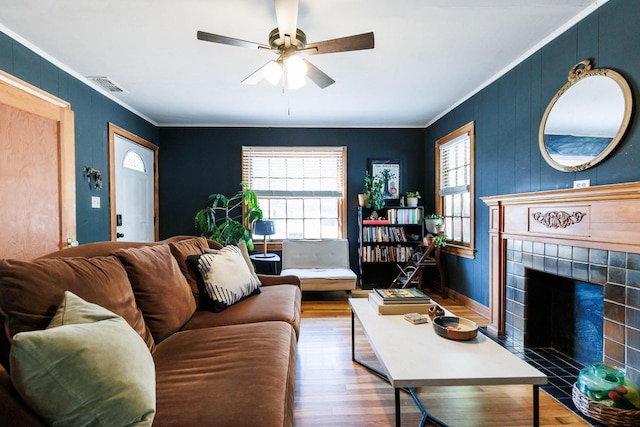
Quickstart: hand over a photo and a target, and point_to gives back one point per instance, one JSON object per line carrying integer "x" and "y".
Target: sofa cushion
{"x": 240, "y": 375}
{"x": 323, "y": 279}
{"x": 279, "y": 302}
{"x": 226, "y": 276}
{"x": 161, "y": 290}
{"x": 315, "y": 253}
{"x": 180, "y": 251}
{"x": 88, "y": 367}
{"x": 30, "y": 292}
{"x": 242, "y": 246}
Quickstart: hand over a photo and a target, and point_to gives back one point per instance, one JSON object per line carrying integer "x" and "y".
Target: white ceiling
{"x": 429, "y": 55}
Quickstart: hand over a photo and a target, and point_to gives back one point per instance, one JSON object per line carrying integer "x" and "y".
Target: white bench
{"x": 321, "y": 265}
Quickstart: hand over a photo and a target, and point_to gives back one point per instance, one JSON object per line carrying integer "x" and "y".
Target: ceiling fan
{"x": 287, "y": 41}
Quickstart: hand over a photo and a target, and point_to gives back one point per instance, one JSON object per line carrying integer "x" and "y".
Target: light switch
{"x": 95, "y": 202}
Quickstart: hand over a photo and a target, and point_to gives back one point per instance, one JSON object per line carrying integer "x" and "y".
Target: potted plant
{"x": 434, "y": 223}
{"x": 224, "y": 221}
{"x": 440, "y": 239}
{"x": 412, "y": 198}
{"x": 373, "y": 197}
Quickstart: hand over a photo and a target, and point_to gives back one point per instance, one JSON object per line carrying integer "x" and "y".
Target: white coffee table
{"x": 398, "y": 345}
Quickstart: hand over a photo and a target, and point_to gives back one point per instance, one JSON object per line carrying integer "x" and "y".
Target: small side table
{"x": 266, "y": 265}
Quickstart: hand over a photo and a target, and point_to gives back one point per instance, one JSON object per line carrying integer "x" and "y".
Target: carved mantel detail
{"x": 558, "y": 219}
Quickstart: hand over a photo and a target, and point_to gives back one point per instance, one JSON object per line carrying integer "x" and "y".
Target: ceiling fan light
{"x": 295, "y": 81}
{"x": 296, "y": 72}
{"x": 296, "y": 66}
{"x": 272, "y": 72}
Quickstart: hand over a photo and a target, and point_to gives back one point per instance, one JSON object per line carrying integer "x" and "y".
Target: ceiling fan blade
{"x": 318, "y": 76}
{"x": 229, "y": 40}
{"x": 287, "y": 15}
{"x": 255, "y": 77}
{"x": 343, "y": 44}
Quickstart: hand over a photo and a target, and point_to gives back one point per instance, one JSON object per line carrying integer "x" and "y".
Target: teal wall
{"x": 507, "y": 114}
{"x": 93, "y": 111}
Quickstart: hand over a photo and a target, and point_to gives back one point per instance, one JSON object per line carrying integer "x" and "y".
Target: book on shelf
{"x": 381, "y": 308}
{"x": 374, "y": 221}
{"x": 401, "y": 295}
{"x": 379, "y": 253}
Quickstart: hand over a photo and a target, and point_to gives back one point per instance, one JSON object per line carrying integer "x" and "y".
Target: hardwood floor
{"x": 331, "y": 390}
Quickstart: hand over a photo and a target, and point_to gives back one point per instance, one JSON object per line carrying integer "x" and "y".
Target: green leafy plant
{"x": 434, "y": 216}
{"x": 373, "y": 191}
{"x": 224, "y": 221}
{"x": 440, "y": 239}
{"x": 414, "y": 194}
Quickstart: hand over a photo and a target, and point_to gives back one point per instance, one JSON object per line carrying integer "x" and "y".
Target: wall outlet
{"x": 95, "y": 202}
{"x": 582, "y": 183}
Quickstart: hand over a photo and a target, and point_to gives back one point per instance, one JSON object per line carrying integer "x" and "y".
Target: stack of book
{"x": 399, "y": 301}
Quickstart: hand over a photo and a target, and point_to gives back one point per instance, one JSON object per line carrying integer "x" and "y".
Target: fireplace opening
{"x": 565, "y": 314}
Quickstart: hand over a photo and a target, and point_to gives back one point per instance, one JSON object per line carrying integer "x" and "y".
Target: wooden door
{"x": 37, "y": 160}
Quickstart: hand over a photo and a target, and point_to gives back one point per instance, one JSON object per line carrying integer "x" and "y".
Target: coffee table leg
{"x": 397, "y": 393}
{"x": 536, "y": 406}
{"x": 425, "y": 415}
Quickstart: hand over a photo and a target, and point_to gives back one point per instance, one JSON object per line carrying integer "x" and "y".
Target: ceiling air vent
{"x": 106, "y": 83}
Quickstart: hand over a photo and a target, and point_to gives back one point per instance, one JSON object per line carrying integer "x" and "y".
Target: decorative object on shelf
{"x": 586, "y": 119}
{"x": 434, "y": 223}
{"x": 412, "y": 198}
{"x": 373, "y": 191}
{"x": 388, "y": 171}
{"x": 361, "y": 200}
{"x": 264, "y": 228}
{"x": 94, "y": 177}
{"x": 224, "y": 221}
{"x": 455, "y": 328}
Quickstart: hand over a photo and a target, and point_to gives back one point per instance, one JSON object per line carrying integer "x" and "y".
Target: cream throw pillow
{"x": 89, "y": 367}
{"x": 226, "y": 275}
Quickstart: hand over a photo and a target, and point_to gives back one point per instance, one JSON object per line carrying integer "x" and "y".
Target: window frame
{"x": 342, "y": 201}
{"x": 462, "y": 249}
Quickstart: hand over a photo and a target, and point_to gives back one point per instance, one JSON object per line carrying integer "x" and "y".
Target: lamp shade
{"x": 264, "y": 227}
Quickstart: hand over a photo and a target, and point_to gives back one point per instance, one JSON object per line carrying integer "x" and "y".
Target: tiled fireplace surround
{"x": 617, "y": 272}
{"x": 588, "y": 234}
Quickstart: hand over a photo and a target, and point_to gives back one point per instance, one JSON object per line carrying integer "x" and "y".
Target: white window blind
{"x": 455, "y": 165}
{"x": 294, "y": 171}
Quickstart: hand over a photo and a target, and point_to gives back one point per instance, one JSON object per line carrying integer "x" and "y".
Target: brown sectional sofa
{"x": 230, "y": 368}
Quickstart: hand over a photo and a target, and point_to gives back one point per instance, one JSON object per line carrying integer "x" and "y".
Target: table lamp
{"x": 264, "y": 227}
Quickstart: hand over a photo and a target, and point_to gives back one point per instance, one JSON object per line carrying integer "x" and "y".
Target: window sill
{"x": 462, "y": 251}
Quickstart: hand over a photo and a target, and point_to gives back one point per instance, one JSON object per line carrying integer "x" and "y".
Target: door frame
{"x": 113, "y": 130}
{"x": 21, "y": 95}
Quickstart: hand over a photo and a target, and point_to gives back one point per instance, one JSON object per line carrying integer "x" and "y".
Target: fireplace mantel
{"x": 601, "y": 217}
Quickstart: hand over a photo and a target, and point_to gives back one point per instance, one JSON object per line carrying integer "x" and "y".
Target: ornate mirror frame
{"x": 578, "y": 74}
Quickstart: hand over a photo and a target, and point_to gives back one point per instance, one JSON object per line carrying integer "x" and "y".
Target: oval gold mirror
{"x": 586, "y": 119}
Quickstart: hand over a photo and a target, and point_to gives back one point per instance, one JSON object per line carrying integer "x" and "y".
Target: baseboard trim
{"x": 467, "y": 302}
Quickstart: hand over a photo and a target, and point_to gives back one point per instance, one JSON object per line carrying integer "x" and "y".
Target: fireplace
{"x": 589, "y": 238}
{"x": 564, "y": 314}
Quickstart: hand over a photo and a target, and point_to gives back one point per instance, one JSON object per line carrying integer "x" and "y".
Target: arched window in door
{"x": 133, "y": 161}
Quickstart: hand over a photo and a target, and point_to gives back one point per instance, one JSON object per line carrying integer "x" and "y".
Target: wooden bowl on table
{"x": 455, "y": 328}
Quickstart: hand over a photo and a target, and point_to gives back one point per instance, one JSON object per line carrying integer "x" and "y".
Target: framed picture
{"x": 390, "y": 174}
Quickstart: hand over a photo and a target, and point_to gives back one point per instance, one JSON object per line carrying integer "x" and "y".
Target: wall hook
{"x": 94, "y": 177}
